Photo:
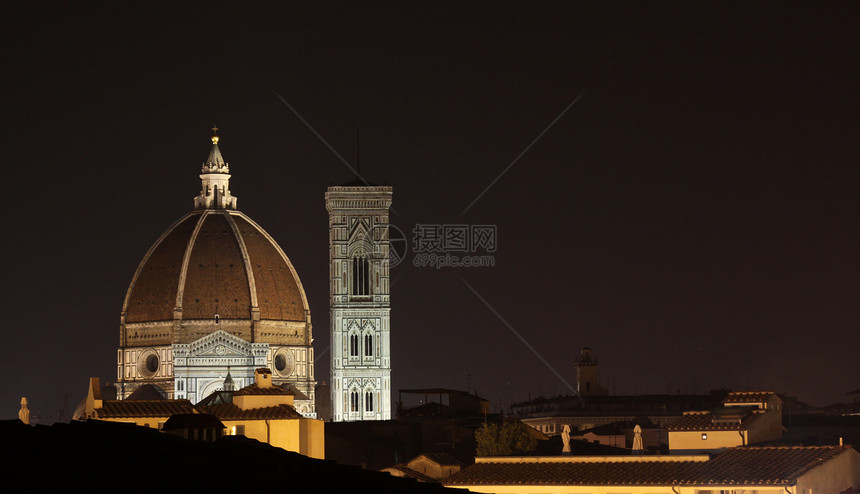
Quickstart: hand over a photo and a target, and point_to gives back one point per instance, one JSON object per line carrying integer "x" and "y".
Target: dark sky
{"x": 692, "y": 217}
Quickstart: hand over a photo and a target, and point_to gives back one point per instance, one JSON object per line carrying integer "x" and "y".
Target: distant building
{"x": 429, "y": 421}
{"x": 428, "y": 467}
{"x": 759, "y": 470}
{"x": 621, "y": 434}
{"x": 587, "y": 383}
{"x": 258, "y": 411}
{"x": 750, "y": 417}
{"x": 550, "y": 415}
{"x": 442, "y": 402}
{"x": 198, "y": 426}
{"x": 592, "y": 408}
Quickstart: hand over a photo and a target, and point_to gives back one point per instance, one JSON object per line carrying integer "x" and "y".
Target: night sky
{"x": 674, "y": 186}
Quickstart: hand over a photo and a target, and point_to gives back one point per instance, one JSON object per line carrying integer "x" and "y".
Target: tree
{"x": 510, "y": 438}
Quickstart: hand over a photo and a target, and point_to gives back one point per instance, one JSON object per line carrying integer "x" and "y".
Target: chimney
{"x": 263, "y": 378}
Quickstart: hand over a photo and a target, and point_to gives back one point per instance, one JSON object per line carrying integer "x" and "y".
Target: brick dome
{"x": 215, "y": 264}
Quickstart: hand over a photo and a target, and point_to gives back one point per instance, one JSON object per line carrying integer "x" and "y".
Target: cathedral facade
{"x": 215, "y": 296}
{"x": 359, "y": 302}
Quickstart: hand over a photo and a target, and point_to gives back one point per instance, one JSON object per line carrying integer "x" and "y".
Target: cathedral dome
{"x": 215, "y": 268}
{"x": 215, "y": 296}
{"x": 215, "y": 264}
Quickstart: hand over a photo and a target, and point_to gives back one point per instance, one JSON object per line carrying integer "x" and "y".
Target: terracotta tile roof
{"x": 408, "y": 472}
{"x": 253, "y": 389}
{"x": 748, "y": 396}
{"x": 216, "y": 279}
{"x": 572, "y": 473}
{"x": 292, "y": 389}
{"x": 441, "y": 459}
{"x": 711, "y": 421}
{"x": 149, "y": 297}
{"x": 186, "y": 420}
{"x": 736, "y": 466}
{"x": 229, "y": 411}
{"x": 143, "y": 408}
{"x": 765, "y": 465}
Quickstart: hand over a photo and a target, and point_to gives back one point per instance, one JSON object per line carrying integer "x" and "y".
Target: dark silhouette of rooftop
{"x": 65, "y": 454}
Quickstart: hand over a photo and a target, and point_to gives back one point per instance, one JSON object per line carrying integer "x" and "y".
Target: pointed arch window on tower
{"x": 353, "y": 345}
{"x": 368, "y": 401}
{"x": 360, "y": 276}
{"x": 368, "y": 345}
{"x": 353, "y": 401}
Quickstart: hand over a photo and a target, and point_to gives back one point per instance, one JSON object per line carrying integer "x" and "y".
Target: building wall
{"x": 692, "y": 440}
{"x": 302, "y": 435}
{"x": 837, "y": 475}
{"x": 283, "y": 434}
{"x": 312, "y": 438}
{"x": 766, "y": 427}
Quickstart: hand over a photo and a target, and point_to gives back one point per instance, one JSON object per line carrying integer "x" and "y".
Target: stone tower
{"x": 360, "y": 306}
{"x": 586, "y": 375}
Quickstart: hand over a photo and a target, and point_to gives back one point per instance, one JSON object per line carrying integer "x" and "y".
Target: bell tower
{"x": 586, "y": 375}
{"x": 359, "y": 303}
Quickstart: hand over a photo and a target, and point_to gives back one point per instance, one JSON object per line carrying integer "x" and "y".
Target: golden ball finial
{"x": 214, "y": 134}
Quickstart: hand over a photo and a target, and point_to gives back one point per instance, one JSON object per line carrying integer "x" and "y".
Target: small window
{"x": 704, "y": 436}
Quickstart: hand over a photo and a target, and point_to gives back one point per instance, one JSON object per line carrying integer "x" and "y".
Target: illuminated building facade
{"x": 360, "y": 305}
{"x": 215, "y": 295}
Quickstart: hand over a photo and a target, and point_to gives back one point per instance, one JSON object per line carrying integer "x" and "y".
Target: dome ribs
{"x": 215, "y": 262}
{"x": 216, "y": 281}
{"x": 149, "y": 297}
{"x": 279, "y": 294}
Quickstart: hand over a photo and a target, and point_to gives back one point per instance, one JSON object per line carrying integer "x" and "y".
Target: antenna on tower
{"x": 357, "y": 152}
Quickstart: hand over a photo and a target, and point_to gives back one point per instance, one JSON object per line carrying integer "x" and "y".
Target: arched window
{"x": 353, "y": 345}
{"x": 353, "y": 400}
{"x": 368, "y": 401}
{"x": 368, "y": 345}
{"x": 360, "y": 276}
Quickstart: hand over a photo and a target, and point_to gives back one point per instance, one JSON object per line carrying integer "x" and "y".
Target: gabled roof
{"x": 765, "y": 465}
{"x": 749, "y": 466}
{"x": 440, "y": 459}
{"x": 253, "y": 389}
{"x": 749, "y": 397}
{"x": 188, "y": 420}
{"x": 146, "y": 392}
{"x": 716, "y": 420}
{"x": 143, "y": 408}
{"x": 229, "y": 411}
{"x": 487, "y": 472}
{"x": 401, "y": 470}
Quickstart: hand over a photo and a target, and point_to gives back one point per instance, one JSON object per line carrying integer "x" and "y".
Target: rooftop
{"x": 736, "y": 466}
